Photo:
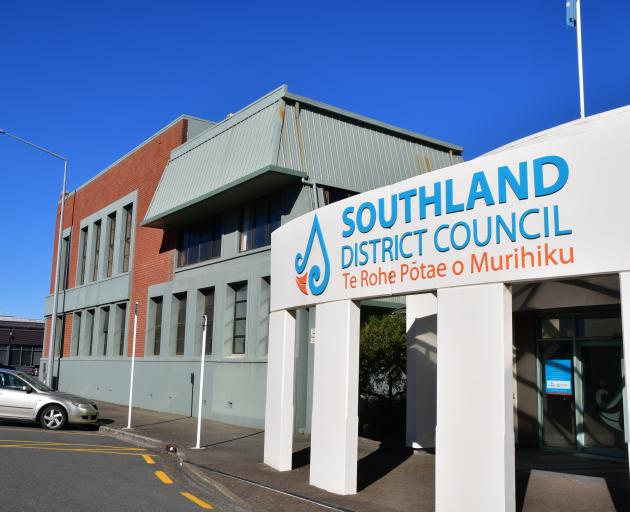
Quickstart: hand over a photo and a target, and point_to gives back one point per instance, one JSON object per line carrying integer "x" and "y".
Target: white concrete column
{"x": 474, "y": 469}
{"x": 421, "y": 369}
{"x": 335, "y": 422}
{"x": 279, "y": 402}
{"x": 624, "y": 286}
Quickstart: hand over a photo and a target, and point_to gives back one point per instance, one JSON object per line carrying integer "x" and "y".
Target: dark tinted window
{"x": 258, "y": 220}
{"x": 200, "y": 242}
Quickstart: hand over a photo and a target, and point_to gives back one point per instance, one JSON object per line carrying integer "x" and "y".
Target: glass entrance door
{"x": 600, "y": 414}
{"x": 558, "y": 404}
{"x": 581, "y": 383}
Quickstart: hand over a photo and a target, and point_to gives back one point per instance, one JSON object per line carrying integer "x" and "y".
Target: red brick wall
{"x": 67, "y": 335}
{"x": 151, "y": 264}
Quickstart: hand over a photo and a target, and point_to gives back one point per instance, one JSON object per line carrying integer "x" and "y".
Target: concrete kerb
{"x": 132, "y": 438}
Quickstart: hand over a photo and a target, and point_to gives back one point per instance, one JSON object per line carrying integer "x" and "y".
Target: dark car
{"x": 6, "y": 367}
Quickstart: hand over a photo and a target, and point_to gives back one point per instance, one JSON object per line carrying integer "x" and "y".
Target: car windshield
{"x": 36, "y": 383}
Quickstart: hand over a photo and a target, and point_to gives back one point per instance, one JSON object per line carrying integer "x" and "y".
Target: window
{"x": 104, "y": 330}
{"x": 76, "y": 335}
{"x": 332, "y": 195}
{"x": 14, "y": 358}
{"x": 58, "y": 337}
{"x": 4, "y": 354}
{"x": 121, "y": 318}
{"x": 127, "y": 240}
{"x": 83, "y": 254}
{"x": 157, "y": 325}
{"x": 10, "y": 381}
{"x": 90, "y": 328}
{"x": 27, "y": 356}
{"x": 65, "y": 257}
{"x": 258, "y": 221}
{"x": 180, "y": 324}
{"x": 208, "y": 310}
{"x": 97, "y": 249}
{"x": 240, "y": 318}
{"x": 263, "y": 315}
{"x": 111, "y": 237}
{"x": 200, "y": 242}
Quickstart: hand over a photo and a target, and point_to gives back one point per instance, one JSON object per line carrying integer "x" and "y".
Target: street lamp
{"x": 53, "y": 323}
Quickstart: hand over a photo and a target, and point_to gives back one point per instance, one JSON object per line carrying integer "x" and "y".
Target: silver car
{"x": 23, "y": 397}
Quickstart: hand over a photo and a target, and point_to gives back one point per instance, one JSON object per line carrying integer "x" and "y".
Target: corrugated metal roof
{"x": 218, "y": 157}
{"x": 347, "y": 154}
{"x": 332, "y": 146}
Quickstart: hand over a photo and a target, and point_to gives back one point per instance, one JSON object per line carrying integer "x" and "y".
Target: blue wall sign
{"x": 558, "y": 377}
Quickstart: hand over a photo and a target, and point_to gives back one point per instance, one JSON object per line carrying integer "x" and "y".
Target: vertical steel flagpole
{"x": 200, "y": 393}
{"x": 133, "y": 361}
{"x": 578, "y": 21}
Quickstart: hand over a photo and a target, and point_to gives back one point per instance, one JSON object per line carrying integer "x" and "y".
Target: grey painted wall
{"x": 232, "y": 391}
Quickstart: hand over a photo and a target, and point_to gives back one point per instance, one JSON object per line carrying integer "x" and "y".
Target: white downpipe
{"x": 201, "y": 372}
{"x": 133, "y": 361}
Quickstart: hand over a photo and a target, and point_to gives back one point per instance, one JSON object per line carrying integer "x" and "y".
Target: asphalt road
{"x": 82, "y": 470}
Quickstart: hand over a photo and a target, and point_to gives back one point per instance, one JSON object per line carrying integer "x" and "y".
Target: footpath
{"x": 390, "y": 477}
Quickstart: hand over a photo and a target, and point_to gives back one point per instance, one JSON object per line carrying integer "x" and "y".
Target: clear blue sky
{"x": 92, "y": 80}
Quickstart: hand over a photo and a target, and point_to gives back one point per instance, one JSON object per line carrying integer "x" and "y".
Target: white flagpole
{"x": 578, "y": 22}
{"x": 133, "y": 361}
{"x": 200, "y": 393}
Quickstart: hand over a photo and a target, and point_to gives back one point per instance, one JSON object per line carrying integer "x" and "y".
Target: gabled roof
{"x": 291, "y": 137}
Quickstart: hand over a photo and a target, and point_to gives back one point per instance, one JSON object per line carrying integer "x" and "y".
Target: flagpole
{"x": 578, "y": 22}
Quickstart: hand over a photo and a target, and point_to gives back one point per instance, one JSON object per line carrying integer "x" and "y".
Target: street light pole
{"x": 53, "y": 322}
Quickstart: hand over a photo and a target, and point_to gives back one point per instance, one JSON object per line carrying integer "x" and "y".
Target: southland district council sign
{"x": 556, "y": 204}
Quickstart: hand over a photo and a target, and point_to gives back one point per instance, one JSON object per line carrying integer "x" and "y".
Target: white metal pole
{"x": 53, "y": 321}
{"x": 200, "y": 393}
{"x": 133, "y": 361}
{"x": 579, "y": 50}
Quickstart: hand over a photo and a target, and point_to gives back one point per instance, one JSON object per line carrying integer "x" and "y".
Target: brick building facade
{"x": 182, "y": 224}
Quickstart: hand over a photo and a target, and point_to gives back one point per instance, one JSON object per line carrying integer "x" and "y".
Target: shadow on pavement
{"x": 380, "y": 462}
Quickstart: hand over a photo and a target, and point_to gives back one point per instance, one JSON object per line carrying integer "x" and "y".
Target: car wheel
{"x": 53, "y": 417}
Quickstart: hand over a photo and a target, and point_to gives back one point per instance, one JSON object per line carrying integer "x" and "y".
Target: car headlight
{"x": 81, "y": 405}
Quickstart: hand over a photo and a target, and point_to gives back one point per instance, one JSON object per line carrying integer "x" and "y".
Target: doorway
{"x": 582, "y": 400}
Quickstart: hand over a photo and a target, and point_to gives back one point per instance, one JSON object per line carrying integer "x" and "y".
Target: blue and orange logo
{"x": 312, "y": 281}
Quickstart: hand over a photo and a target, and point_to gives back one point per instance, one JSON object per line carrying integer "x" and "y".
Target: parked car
{"x": 23, "y": 397}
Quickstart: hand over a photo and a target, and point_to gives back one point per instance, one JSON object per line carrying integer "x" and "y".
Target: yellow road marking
{"x": 196, "y": 500}
{"x": 49, "y": 443}
{"x": 41, "y": 430}
{"x": 163, "y": 477}
{"x": 148, "y": 459}
{"x": 76, "y": 450}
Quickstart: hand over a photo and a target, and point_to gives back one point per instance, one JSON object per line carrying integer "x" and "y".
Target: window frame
{"x": 236, "y": 287}
{"x": 111, "y": 242}
{"x": 206, "y": 293}
{"x": 121, "y": 331}
{"x": 250, "y": 224}
{"x": 127, "y": 238}
{"x": 83, "y": 249}
{"x": 97, "y": 250}
{"x": 181, "y": 300}
{"x": 157, "y": 303}
{"x": 192, "y": 238}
